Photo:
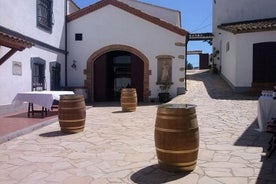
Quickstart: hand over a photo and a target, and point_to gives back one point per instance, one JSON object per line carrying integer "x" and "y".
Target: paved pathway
{"x": 118, "y": 147}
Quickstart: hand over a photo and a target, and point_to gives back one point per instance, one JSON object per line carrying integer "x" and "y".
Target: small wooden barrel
{"x": 128, "y": 99}
{"x": 71, "y": 113}
{"x": 176, "y": 137}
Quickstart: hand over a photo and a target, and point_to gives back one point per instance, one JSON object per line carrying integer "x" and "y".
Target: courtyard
{"x": 118, "y": 147}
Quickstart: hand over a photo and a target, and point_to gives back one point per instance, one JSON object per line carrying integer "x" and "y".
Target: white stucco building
{"x": 111, "y": 30}
{"x": 245, "y": 42}
{"x": 32, "y": 46}
{"x": 101, "y": 48}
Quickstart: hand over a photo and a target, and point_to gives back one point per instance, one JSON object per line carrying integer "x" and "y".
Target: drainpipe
{"x": 186, "y": 62}
{"x": 66, "y": 50}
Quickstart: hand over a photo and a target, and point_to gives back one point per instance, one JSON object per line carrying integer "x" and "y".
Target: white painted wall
{"x": 20, "y": 16}
{"x": 171, "y": 16}
{"x": 225, "y": 11}
{"x": 245, "y": 55}
{"x": 227, "y": 59}
{"x": 111, "y": 25}
{"x": 237, "y": 63}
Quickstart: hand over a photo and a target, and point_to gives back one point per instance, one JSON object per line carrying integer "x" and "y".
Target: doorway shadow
{"x": 217, "y": 87}
{"x": 152, "y": 174}
{"x": 251, "y": 137}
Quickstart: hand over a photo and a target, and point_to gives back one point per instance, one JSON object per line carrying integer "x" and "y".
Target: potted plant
{"x": 214, "y": 55}
{"x": 164, "y": 95}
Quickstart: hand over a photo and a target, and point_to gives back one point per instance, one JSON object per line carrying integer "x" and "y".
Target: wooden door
{"x": 264, "y": 62}
{"x": 100, "y": 92}
{"x": 137, "y": 75}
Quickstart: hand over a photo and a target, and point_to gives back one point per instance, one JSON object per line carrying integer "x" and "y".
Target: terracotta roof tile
{"x": 250, "y": 26}
{"x": 14, "y": 42}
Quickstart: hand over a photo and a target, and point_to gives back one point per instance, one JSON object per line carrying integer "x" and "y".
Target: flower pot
{"x": 164, "y": 97}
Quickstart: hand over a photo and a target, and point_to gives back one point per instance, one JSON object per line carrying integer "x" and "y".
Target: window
{"x": 38, "y": 73}
{"x": 44, "y": 14}
{"x": 227, "y": 46}
{"x": 78, "y": 36}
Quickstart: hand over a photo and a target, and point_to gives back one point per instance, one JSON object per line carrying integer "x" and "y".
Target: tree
{"x": 189, "y": 66}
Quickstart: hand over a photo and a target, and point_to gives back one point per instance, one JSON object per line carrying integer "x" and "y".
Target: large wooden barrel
{"x": 176, "y": 137}
{"x": 128, "y": 99}
{"x": 71, "y": 113}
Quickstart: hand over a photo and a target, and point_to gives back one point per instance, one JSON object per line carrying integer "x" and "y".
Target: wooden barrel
{"x": 71, "y": 113}
{"x": 176, "y": 137}
{"x": 128, "y": 99}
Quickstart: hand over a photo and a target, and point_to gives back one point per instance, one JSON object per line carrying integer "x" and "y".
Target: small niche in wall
{"x": 16, "y": 68}
{"x": 78, "y": 37}
{"x": 164, "y": 69}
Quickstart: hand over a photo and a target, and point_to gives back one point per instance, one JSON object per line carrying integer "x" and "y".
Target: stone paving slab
{"x": 118, "y": 147}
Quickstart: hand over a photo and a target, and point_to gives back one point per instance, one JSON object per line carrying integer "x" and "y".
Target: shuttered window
{"x": 44, "y": 14}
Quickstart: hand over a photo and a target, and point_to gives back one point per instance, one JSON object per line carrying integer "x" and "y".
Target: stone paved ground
{"x": 118, "y": 147}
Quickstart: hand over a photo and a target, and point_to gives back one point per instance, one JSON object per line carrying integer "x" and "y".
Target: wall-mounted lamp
{"x": 74, "y": 66}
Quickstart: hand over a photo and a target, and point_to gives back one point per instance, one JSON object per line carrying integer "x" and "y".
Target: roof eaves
{"x": 129, "y": 9}
{"x": 250, "y": 26}
{"x": 14, "y": 42}
{"x": 75, "y": 4}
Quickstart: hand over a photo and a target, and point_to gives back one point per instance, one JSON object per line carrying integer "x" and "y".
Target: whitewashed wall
{"x": 227, "y": 59}
{"x": 111, "y": 25}
{"x": 237, "y": 63}
{"x": 20, "y": 16}
{"x": 225, "y": 11}
{"x": 171, "y": 16}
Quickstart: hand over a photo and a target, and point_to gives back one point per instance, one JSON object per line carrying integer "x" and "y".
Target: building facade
{"x": 113, "y": 45}
{"x": 39, "y": 62}
{"x": 101, "y": 48}
{"x": 244, "y": 42}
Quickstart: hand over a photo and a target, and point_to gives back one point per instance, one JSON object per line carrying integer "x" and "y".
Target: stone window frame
{"x": 44, "y": 14}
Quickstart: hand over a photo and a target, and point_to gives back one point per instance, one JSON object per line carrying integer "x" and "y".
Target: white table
{"x": 266, "y": 111}
{"x": 42, "y": 98}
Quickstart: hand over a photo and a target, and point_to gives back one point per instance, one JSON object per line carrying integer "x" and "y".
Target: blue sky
{"x": 196, "y": 17}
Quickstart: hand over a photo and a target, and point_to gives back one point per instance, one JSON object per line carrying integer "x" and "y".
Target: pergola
{"x": 14, "y": 43}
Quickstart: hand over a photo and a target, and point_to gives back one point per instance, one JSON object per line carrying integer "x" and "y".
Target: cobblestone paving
{"x": 118, "y": 147}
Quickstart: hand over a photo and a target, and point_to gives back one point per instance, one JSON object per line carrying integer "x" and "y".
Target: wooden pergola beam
{"x": 7, "y": 55}
{"x": 14, "y": 43}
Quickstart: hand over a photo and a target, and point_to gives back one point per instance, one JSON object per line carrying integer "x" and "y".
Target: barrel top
{"x": 128, "y": 89}
{"x": 71, "y": 96}
{"x": 177, "y": 106}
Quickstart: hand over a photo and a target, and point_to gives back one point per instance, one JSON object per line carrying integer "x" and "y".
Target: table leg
{"x": 29, "y": 109}
{"x": 32, "y": 111}
{"x": 44, "y": 111}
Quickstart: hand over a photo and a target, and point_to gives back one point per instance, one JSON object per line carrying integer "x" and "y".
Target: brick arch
{"x": 89, "y": 82}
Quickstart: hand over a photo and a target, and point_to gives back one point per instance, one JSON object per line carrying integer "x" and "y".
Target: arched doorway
{"x": 116, "y": 70}
{"x": 113, "y": 67}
